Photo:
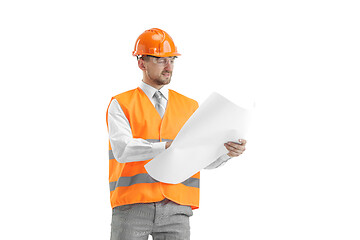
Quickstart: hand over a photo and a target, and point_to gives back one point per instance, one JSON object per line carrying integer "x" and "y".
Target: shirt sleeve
{"x": 219, "y": 162}
{"x": 125, "y": 148}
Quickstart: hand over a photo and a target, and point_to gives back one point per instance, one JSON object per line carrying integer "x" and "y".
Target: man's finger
{"x": 236, "y": 146}
{"x": 233, "y": 154}
{"x": 235, "y": 150}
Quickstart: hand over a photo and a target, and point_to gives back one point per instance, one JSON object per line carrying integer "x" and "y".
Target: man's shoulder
{"x": 126, "y": 94}
{"x": 183, "y": 97}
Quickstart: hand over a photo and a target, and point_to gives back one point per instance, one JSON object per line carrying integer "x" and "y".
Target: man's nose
{"x": 168, "y": 66}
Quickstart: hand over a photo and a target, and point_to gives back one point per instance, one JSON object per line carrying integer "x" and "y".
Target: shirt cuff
{"x": 158, "y": 147}
{"x": 219, "y": 162}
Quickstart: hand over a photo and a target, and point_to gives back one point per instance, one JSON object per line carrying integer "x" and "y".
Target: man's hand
{"x": 235, "y": 149}
{"x": 167, "y": 145}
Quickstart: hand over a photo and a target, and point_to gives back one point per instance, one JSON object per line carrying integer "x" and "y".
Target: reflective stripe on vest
{"x": 146, "y": 178}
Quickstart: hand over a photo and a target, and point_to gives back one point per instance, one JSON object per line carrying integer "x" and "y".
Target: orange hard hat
{"x": 155, "y": 42}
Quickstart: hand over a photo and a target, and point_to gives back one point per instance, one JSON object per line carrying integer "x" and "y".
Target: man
{"x": 142, "y": 123}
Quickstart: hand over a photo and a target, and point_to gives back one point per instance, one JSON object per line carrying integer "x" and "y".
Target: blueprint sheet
{"x": 201, "y": 140}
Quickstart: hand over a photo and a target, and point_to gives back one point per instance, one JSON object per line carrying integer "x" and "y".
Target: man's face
{"x": 159, "y": 70}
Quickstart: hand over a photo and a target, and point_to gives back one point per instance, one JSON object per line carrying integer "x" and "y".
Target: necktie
{"x": 160, "y": 103}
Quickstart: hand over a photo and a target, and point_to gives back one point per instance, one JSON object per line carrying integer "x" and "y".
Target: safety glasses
{"x": 162, "y": 60}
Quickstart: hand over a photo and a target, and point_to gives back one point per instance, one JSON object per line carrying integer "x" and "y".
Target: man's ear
{"x": 141, "y": 64}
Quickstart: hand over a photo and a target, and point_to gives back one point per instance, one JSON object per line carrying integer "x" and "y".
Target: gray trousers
{"x": 162, "y": 220}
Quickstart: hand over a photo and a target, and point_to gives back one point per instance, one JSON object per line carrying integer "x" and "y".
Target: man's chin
{"x": 165, "y": 81}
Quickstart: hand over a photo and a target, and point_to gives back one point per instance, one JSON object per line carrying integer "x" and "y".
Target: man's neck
{"x": 158, "y": 87}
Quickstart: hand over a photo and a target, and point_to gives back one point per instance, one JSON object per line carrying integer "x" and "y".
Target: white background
{"x": 61, "y": 61}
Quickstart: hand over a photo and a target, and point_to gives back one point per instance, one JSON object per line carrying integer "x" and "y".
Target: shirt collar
{"x": 149, "y": 90}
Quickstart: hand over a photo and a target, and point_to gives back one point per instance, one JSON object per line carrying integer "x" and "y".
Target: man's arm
{"x": 235, "y": 149}
{"x": 126, "y": 148}
{"x": 219, "y": 162}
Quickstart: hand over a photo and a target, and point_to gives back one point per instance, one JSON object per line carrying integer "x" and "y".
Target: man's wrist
{"x": 158, "y": 147}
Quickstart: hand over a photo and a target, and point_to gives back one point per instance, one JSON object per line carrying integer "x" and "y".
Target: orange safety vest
{"x": 129, "y": 182}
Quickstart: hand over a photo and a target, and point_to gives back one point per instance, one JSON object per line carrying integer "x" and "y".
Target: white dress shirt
{"x": 128, "y": 149}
